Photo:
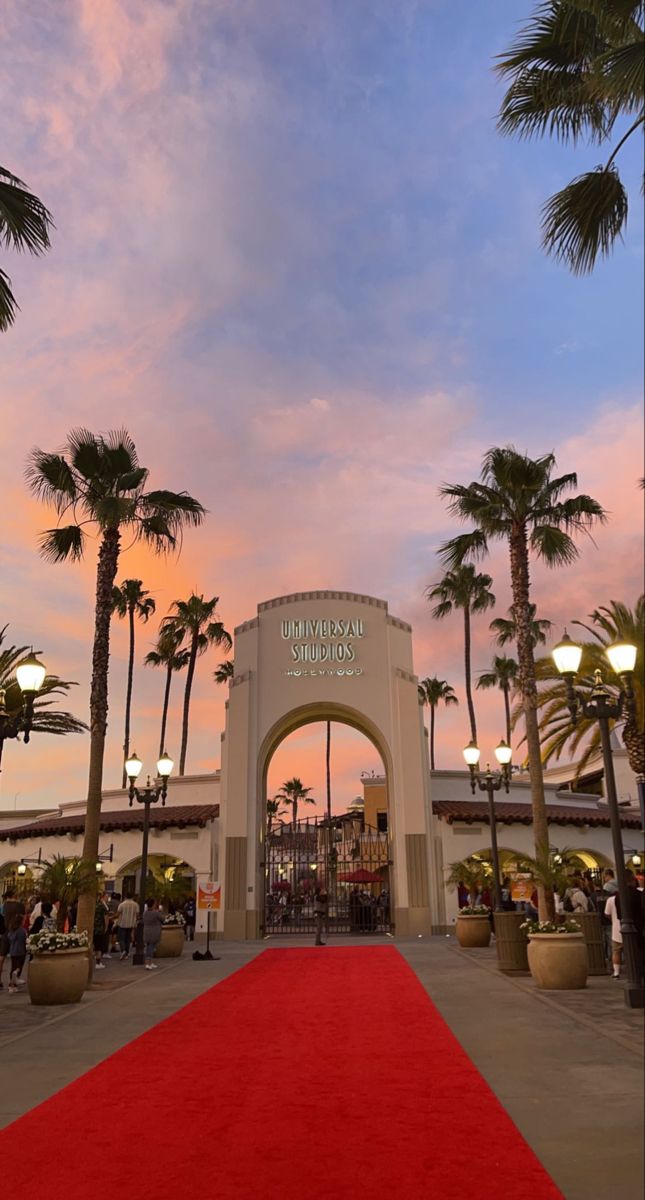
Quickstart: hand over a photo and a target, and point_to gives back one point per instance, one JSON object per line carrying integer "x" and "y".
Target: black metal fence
{"x": 344, "y": 858}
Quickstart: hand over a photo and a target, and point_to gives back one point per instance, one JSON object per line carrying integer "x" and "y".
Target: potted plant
{"x": 557, "y": 955}
{"x": 171, "y": 943}
{"x": 473, "y": 922}
{"x": 473, "y": 926}
{"x": 58, "y": 968}
{"x": 62, "y": 881}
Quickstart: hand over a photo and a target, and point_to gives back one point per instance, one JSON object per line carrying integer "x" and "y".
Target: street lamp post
{"x": 491, "y": 782}
{"x": 148, "y": 795}
{"x": 30, "y": 675}
{"x": 603, "y": 707}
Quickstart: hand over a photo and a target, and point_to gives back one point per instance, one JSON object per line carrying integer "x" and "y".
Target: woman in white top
{"x": 616, "y": 936}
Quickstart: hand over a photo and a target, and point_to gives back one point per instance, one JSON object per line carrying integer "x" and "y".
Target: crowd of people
{"x": 115, "y": 923}
{"x": 365, "y": 911}
{"x": 586, "y": 892}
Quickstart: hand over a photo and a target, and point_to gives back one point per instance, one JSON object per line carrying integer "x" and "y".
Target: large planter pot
{"x": 558, "y": 961}
{"x": 171, "y": 943}
{"x": 473, "y": 930}
{"x": 511, "y": 943}
{"x": 59, "y": 977}
{"x": 591, "y": 927}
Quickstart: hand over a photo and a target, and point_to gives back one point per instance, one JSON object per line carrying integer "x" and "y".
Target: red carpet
{"x": 308, "y": 1075}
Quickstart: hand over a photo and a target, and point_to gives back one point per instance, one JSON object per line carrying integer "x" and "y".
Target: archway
{"x": 318, "y": 656}
{"x": 338, "y": 844}
{"x": 169, "y": 878}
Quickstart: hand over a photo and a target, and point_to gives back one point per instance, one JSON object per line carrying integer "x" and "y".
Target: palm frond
{"x": 24, "y": 220}
{"x": 50, "y": 479}
{"x": 58, "y": 545}
{"x": 584, "y": 219}
{"x": 8, "y": 303}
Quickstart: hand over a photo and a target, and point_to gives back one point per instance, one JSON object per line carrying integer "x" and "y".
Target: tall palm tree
{"x": 292, "y": 793}
{"x": 46, "y": 719}
{"x": 431, "y": 692}
{"x": 505, "y": 628}
{"x": 169, "y": 656}
{"x": 225, "y": 671}
{"x": 131, "y": 600}
{"x": 196, "y": 620}
{"x": 462, "y": 587}
{"x": 615, "y": 622}
{"x": 517, "y": 500}
{"x": 24, "y": 225}
{"x": 274, "y": 810}
{"x": 574, "y": 71}
{"x": 96, "y": 481}
{"x": 503, "y": 676}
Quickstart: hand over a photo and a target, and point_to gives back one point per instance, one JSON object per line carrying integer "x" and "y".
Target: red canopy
{"x": 360, "y": 876}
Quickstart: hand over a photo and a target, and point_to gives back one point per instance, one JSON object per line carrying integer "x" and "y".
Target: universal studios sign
{"x": 323, "y": 646}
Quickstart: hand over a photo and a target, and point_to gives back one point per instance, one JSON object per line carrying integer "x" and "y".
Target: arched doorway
{"x": 339, "y": 843}
{"x": 317, "y": 656}
{"x": 169, "y": 878}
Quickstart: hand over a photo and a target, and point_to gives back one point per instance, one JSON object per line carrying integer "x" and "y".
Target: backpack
{"x": 567, "y": 904}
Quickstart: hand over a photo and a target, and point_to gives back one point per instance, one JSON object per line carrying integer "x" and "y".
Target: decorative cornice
{"x": 399, "y": 624}
{"x": 245, "y": 626}
{"x": 407, "y": 675}
{"x": 296, "y": 597}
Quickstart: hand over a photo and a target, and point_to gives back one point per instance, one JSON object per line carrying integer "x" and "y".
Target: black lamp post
{"x": 148, "y": 795}
{"x": 30, "y": 675}
{"x": 604, "y": 707}
{"x": 491, "y": 782}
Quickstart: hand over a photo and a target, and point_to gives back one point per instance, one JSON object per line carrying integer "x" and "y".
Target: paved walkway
{"x": 568, "y": 1067}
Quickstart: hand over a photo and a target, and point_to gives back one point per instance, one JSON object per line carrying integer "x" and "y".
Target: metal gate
{"x": 349, "y": 860}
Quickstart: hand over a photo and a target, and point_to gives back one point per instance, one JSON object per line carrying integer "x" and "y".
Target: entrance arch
{"x": 345, "y": 850}
{"x": 316, "y": 656}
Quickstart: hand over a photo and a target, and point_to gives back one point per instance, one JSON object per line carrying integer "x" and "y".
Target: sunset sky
{"x": 295, "y": 259}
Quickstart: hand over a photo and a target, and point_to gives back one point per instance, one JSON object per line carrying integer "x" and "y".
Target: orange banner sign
{"x": 209, "y": 896}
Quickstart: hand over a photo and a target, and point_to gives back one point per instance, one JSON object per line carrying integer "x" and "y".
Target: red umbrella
{"x": 360, "y": 876}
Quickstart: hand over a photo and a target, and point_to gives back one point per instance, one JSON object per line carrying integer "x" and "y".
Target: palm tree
{"x": 503, "y": 676}
{"x": 169, "y": 656}
{"x": 462, "y": 587}
{"x": 473, "y": 873}
{"x": 274, "y": 810}
{"x": 224, "y": 672}
{"x": 518, "y": 501}
{"x": 62, "y": 880}
{"x": 24, "y": 225}
{"x": 131, "y": 600}
{"x": 45, "y": 718}
{"x": 574, "y": 71}
{"x": 431, "y": 692}
{"x": 505, "y": 628}
{"x": 615, "y": 622}
{"x": 196, "y": 620}
{"x": 292, "y": 793}
{"x": 97, "y": 481}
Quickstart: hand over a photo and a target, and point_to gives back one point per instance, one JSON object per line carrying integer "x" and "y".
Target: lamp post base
{"x": 634, "y": 996}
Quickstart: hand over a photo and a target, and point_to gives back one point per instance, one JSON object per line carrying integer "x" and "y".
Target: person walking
{"x": 152, "y": 925}
{"x": 4, "y": 943}
{"x": 100, "y": 935}
{"x": 17, "y": 950}
{"x": 127, "y": 915}
{"x": 190, "y": 917}
{"x": 321, "y": 905}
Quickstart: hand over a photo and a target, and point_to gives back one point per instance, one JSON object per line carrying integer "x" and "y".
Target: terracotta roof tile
{"x": 508, "y": 813}
{"x": 177, "y": 816}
